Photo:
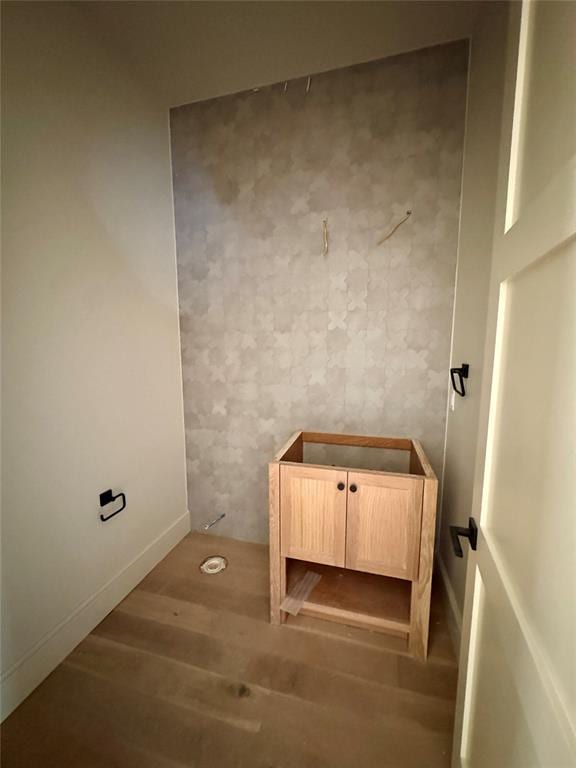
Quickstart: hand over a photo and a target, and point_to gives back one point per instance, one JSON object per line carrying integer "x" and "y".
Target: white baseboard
{"x": 453, "y": 612}
{"x": 29, "y": 671}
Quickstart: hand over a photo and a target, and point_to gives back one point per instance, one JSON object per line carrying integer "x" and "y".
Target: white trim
{"x": 178, "y": 331}
{"x": 519, "y": 115}
{"x": 462, "y": 750}
{"x": 28, "y": 672}
{"x": 463, "y": 178}
{"x": 454, "y": 612}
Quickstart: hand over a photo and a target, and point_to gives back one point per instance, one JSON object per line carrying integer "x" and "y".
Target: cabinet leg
{"x": 422, "y": 589}
{"x": 275, "y": 559}
{"x": 275, "y": 594}
{"x": 282, "y": 587}
{"x": 419, "y": 620}
{"x": 278, "y": 593}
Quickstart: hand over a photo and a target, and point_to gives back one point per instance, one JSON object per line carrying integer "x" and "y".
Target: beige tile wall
{"x": 277, "y": 336}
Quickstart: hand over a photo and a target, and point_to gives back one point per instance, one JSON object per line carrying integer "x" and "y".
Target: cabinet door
{"x": 313, "y": 514}
{"x": 383, "y": 528}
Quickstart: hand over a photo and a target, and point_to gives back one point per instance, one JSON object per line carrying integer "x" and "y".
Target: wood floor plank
{"x": 287, "y": 717}
{"x": 402, "y": 709}
{"x": 48, "y": 732}
{"x": 372, "y": 658}
{"x": 209, "y": 694}
{"x": 289, "y": 648}
{"x": 243, "y": 589}
{"x": 262, "y": 637}
{"x": 247, "y": 565}
{"x": 187, "y": 671}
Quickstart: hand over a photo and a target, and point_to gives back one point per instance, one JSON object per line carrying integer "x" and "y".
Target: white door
{"x": 517, "y": 691}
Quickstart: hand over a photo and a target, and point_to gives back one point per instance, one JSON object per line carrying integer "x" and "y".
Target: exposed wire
{"x": 395, "y": 227}
{"x": 216, "y": 520}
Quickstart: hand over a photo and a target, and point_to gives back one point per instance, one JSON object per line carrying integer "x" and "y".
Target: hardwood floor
{"x": 187, "y": 671}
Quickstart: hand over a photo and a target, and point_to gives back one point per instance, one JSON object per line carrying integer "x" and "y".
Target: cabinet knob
{"x": 353, "y": 488}
{"x": 341, "y": 486}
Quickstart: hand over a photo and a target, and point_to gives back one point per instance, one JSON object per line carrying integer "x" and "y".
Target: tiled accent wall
{"x": 277, "y": 336}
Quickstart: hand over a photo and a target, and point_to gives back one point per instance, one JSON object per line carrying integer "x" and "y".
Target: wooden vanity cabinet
{"x": 313, "y": 519}
{"x": 358, "y": 522}
{"x": 383, "y": 520}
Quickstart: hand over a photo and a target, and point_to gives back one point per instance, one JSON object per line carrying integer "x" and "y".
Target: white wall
{"x": 92, "y": 385}
{"x": 192, "y": 51}
{"x": 483, "y": 125}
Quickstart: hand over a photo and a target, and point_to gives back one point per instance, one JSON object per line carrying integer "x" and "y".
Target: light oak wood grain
{"x": 355, "y": 591}
{"x": 421, "y": 588}
{"x": 274, "y": 526}
{"x": 355, "y": 619}
{"x": 292, "y": 449}
{"x": 385, "y": 527}
{"x": 383, "y": 524}
{"x": 313, "y": 514}
{"x": 346, "y": 469}
{"x": 187, "y": 672}
{"x": 419, "y": 463}
{"x": 355, "y": 599}
{"x": 330, "y": 438}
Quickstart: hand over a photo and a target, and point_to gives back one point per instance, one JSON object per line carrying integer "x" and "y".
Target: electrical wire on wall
{"x": 326, "y": 246}
{"x": 395, "y": 227}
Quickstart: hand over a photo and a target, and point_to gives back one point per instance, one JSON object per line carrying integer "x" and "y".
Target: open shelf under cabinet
{"x": 358, "y": 599}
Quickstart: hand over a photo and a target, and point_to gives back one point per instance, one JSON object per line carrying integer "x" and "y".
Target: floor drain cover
{"x": 213, "y": 564}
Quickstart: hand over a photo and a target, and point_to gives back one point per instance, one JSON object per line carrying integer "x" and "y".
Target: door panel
{"x": 531, "y": 499}
{"x": 313, "y": 514}
{"x": 383, "y": 529}
{"x": 517, "y": 688}
{"x": 497, "y": 717}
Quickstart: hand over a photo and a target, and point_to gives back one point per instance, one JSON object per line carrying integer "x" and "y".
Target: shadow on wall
{"x": 277, "y": 335}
